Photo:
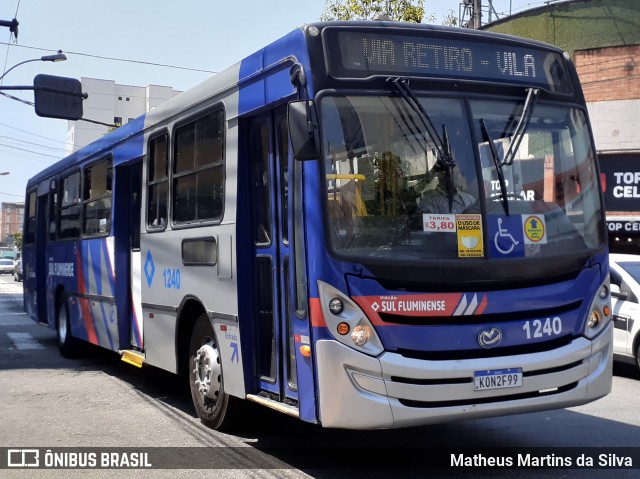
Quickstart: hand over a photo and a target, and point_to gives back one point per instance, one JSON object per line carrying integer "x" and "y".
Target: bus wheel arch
{"x": 636, "y": 350}
{"x": 68, "y": 346}
{"x": 188, "y": 313}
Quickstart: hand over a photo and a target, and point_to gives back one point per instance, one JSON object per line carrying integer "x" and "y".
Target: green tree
{"x": 17, "y": 240}
{"x": 450, "y": 19}
{"x": 114, "y": 127}
{"x": 397, "y": 10}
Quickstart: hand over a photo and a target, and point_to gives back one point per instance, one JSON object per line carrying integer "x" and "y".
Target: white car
{"x": 6, "y": 266}
{"x": 625, "y": 301}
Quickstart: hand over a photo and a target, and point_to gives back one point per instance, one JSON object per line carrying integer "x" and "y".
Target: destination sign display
{"x": 362, "y": 54}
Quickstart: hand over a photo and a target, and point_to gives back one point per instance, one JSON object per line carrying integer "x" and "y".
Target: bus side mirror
{"x": 303, "y": 129}
{"x": 58, "y": 97}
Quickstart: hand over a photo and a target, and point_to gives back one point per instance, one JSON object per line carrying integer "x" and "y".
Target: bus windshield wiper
{"x": 523, "y": 124}
{"x": 402, "y": 87}
{"x": 443, "y": 150}
{"x": 498, "y": 164}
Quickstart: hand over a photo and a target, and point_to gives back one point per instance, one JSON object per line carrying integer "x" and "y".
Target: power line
{"x": 26, "y": 102}
{"x": 29, "y": 151}
{"x": 11, "y": 194}
{"x": 31, "y": 133}
{"x": 38, "y": 145}
{"x": 16, "y": 154}
{"x": 30, "y": 103}
{"x": 140, "y": 62}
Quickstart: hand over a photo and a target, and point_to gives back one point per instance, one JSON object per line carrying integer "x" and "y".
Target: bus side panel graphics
{"x": 65, "y": 274}
{"x": 231, "y": 356}
{"x": 95, "y": 293}
{"x": 167, "y": 283}
{"x": 164, "y": 284}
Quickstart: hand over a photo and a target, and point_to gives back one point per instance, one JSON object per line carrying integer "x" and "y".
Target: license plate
{"x": 497, "y": 379}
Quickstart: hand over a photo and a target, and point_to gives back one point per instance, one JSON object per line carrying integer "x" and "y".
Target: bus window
{"x": 70, "y": 207}
{"x": 261, "y": 184}
{"x": 158, "y": 181}
{"x": 198, "y": 170}
{"x": 97, "y": 198}
{"x": 30, "y": 229}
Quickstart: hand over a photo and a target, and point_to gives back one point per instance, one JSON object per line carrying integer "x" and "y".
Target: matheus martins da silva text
{"x": 547, "y": 460}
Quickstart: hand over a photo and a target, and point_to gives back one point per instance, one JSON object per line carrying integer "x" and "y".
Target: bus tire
{"x": 215, "y": 408}
{"x": 68, "y": 345}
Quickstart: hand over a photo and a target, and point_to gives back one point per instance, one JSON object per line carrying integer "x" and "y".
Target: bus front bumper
{"x": 392, "y": 391}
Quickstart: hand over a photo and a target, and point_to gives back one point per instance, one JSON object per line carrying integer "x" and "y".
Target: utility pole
{"x": 471, "y": 13}
{"x": 477, "y": 14}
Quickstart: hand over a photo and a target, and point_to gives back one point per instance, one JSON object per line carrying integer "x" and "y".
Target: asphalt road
{"x": 98, "y": 402}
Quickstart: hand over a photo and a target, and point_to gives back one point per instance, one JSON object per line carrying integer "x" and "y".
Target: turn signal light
{"x": 305, "y": 351}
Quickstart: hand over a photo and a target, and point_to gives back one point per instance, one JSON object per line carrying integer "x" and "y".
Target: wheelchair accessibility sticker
{"x": 511, "y": 236}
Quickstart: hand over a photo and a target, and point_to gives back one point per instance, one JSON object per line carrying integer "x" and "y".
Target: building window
{"x": 120, "y": 98}
{"x": 128, "y": 98}
{"x": 117, "y": 120}
{"x": 130, "y": 120}
{"x": 198, "y": 170}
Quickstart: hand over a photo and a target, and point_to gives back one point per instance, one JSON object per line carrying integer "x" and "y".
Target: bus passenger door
{"x": 41, "y": 240}
{"x": 128, "y": 265}
{"x": 272, "y": 275}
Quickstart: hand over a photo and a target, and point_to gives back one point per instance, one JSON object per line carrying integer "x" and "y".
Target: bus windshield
{"x": 390, "y": 192}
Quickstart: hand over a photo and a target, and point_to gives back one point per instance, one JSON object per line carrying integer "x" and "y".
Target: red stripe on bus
{"x": 85, "y": 310}
{"x": 317, "y": 318}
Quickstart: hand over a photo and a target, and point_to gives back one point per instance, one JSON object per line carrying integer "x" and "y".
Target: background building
{"x": 11, "y": 217}
{"x": 603, "y": 39}
{"x": 110, "y": 103}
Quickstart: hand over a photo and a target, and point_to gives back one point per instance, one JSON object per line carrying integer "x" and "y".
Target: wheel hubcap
{"x": 207, "y": 371}
{"x": 62, "y": 326}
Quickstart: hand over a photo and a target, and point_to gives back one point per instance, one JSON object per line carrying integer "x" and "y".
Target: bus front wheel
{"x": 215, "y": 408}
{"x": 68, "y": 345}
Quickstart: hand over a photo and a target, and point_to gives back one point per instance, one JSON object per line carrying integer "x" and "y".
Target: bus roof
{"x": 289, "y": 47}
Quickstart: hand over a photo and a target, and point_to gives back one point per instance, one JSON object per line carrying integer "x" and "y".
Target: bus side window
{"x": 198, "y": 170}
{"x": 97, "y": 198}
{"x": 158, "y": 180}
{"x": 70, "y": 207}
{"x": 30, "y": 229}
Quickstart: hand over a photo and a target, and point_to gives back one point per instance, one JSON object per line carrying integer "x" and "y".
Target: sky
{"x": 193, "y": 35}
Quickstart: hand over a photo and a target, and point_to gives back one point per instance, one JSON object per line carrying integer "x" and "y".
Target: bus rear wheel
{"x": 68, "y": 345}
{"x": 215, "y": 408}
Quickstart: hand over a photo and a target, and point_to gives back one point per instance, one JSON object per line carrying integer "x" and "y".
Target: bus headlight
{"x": 360, "y": 335}
{"x": 346, "y": 322}
{"x": 336, "y": 306}
{"x": 599, "y": 312}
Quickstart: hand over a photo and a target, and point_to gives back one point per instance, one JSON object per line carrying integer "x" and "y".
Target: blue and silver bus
{"x": 363, "y": 225}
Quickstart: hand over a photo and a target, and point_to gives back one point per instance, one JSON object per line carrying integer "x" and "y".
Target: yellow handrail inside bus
{"x": 361, "y": 209}
{"x": 333, "y": 176}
